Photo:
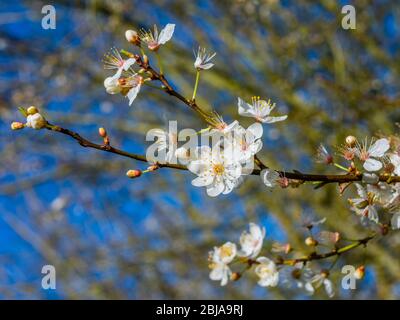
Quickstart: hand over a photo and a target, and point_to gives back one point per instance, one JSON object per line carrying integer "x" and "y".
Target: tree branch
{"x": 301, "y": 177}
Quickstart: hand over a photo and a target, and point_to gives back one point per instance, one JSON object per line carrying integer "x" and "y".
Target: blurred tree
{"x": 110, "y": 237}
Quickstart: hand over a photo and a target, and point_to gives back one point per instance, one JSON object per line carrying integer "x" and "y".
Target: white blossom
{"x": 258, "y": 109}
{"x": 267, "y": 272}
{"x": 321, "y": 279}
{"x": 128, "y": 85}
{"x": 219, "y": 174}
{"x": 222, "y": 128}
{"x": 112, "y": 85}
{"x": 219, "y": 260}
{"x": 243, "y": 144}
{"x": 298, "y": 277}
{"x": 154, "y": 39}
{"x": 203, "y": 59}
{"x": 370, "y": 153}
{"x": 364, "y": 206}
{"x": 35, "y": 121}
{"x": 251, "y": 242}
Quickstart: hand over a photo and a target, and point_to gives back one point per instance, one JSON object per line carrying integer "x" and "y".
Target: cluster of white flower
{"x": 222, "y": 167}
{"x": 126, "y": 80}
{"x": 377, "y": 201}
{"x": 297, "y": 275}
{"x": 251, "y": 244}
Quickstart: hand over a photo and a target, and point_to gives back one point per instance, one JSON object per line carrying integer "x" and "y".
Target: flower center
{"x": 265, "y": 271}
{"x": 226, "y": 251}
{"x": 218, "y": 169}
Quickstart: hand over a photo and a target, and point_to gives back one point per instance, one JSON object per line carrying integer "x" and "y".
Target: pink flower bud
{"x": 133, "y": 173}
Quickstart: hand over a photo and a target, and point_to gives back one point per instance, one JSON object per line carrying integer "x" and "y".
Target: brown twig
{"x": 301, "y": 177}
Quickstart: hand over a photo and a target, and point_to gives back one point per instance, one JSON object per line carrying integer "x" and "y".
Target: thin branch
{"x": 301, "y": 177}
{"x": 333, "y": 253}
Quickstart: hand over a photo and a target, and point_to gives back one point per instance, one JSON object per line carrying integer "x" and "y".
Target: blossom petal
{"x": 198, "y": 167}
{"x": 329, "y": 288}
{"x": 206, "y": 66}
{"x": 256, "y": 130}
{"x": 202, "y": 181}
{"x": 128, "y": 63}
{"x": 379, "y": 148}
{"x": 166, "y": 33}
{"x": 273, "y": 119}
{"x": 256, "y": 231}
{"x": 245, "y": 109}
{"x": 132, "y": 94}
{"x": 215, "y": 189}
{"x": 372, "y": 165}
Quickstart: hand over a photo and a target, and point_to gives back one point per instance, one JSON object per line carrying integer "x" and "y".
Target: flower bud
{"x": 32, "y": 110}
{"x": 351, "y": 141}
{"x": 145, "y": 59}
{"x": 102, "y": 132}
{"x": 235, "y": 276}
{"x": 112, "y": 85}
{"x": 325, "y": 273}
{"x": 35, "y": 121}
{"x": 311, "y": 242}
{"x": 133, "y": 173}
{"x": 133, "y": 37}
{"x": 17, "y": 126}
{"x": 359, "y": 273}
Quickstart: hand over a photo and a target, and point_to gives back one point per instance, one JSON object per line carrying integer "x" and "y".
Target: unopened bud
{"x": 325, "y": 273}
{"x": 102, "y": 132}
{"x": 311, "y": 242}
{"x": 133, "y": 173}
{"x": 145, "y": 59}
{"x": 32, "y": 110}
{"x": 133, "y": 37}
{"x": 351, "y": 141}
{"x": 17, "y": 125}
{"x": 359, "y": 273}
{"x": 235, "y": 276}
